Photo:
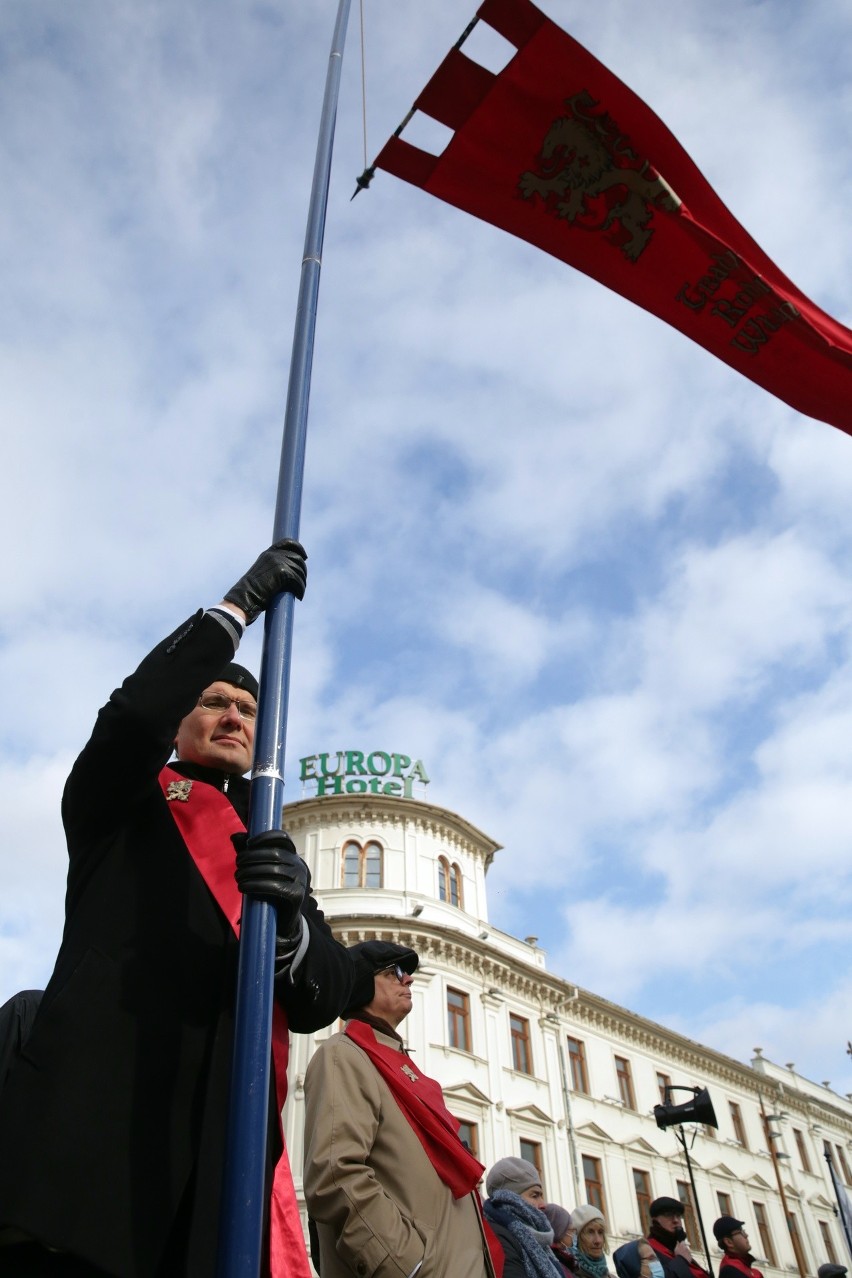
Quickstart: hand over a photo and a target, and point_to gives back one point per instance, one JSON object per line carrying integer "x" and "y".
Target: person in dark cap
{"x": 113, "y": 1115}
{"x": 831, "y": 1271}
{"x": 389, "y": 1186}
{"x": 733, "y": 1239}
{"x": 668, "y": 1239}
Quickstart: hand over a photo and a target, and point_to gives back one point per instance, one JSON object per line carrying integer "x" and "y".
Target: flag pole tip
{"x": 363, "y": 181}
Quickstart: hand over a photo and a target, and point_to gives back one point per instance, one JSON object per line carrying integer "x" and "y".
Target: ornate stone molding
{"x": 358, "y": 810}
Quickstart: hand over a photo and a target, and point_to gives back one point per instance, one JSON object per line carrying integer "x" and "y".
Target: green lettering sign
{"x": 346, "y": 772}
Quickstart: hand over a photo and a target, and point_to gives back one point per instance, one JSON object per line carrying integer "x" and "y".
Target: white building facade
{"x": 532, "y": 1065}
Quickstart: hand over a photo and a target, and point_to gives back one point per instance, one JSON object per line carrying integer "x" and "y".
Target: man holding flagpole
{"x": 113, "y": 1117}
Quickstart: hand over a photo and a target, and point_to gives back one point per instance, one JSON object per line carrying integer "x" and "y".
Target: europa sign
{"x": 354, "y": 772}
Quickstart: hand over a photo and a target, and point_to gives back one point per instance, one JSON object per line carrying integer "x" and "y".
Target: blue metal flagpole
{"x": 241, "y": 1232}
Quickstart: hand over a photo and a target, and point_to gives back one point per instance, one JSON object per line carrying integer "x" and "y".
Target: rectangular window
{"x": 684, "y": 1193}
{"x": 828, "y": 1241}
{"x": 804, "y": 1160}
{"x": 663, "y": 1081}
{"x": 458, "y": 1019}
{"x": 469, "y": 1136}
{"x": 521, "y": 1054}
{"x": 594, "y": 1183}
{"x": 765, "y": 1235}
{"x": 531, "y": 1151}
{"x": 726, "y": 1207}
{"x": 737, "y": 1120}
{"x": 642, "y": 1186}
{"x": 625, "y": 1082}
{"x": 577, "y": 1059}
{"x": 844, "y": 1166}
{"x": 795, "y": 1239}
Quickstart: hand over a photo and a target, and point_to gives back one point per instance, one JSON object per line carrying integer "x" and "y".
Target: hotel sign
{"x": 354, "y": 772}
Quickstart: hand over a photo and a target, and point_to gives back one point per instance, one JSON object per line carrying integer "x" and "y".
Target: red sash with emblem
{"x": 206, "y": 821}
{"x": 422, "y": 1102}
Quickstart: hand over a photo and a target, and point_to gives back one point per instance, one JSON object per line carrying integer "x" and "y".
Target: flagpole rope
{"x": 366, "y": 177}
{"x": 363, "y": 83}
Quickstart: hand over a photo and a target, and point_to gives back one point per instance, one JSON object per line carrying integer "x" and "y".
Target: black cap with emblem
{"x": 239, "y": 677}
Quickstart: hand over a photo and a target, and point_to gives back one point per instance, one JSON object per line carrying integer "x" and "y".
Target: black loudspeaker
{"x": 698, "y": 1110}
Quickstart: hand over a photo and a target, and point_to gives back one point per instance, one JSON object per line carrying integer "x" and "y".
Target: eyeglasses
{"x": 394, "y": 970}
{"x": 218, "y": 703}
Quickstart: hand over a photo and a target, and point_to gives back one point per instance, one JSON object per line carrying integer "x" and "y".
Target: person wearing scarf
{"x": 668, "y": 1239}
{"x": 389, "y": 1185}
{"x": 563, "y": 1236}
{"x": 513, "y": 1210}
{"x": 590, "y": 1245}
{"x": 113, "y": 1118}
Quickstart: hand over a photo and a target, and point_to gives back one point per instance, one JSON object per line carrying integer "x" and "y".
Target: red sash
{"x": 666, "y": 1252}
{"x": 422, "y": 1102}
{"x": 206, "y": 820}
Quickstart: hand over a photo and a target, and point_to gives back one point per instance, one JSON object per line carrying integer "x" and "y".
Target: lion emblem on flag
{"x": 588, "y": 174}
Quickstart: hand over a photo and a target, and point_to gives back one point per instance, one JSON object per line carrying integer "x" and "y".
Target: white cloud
{"x": 595, "y": 580}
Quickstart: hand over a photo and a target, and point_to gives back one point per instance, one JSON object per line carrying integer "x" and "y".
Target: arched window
{"x": 351, "y": 864}
{"x": 449, "y": 882}
{"x": 362, "y": 864}
{"x": 372, "y": 866}
{"x": 455, "y": 886}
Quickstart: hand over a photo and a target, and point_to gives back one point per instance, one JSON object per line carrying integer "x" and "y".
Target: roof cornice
{"x": 334, "y": 809}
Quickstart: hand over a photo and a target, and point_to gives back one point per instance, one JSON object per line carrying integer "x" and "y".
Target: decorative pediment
{"x": 596, "y": 1133}
{"x": 758, "y": 1180}
{"x": 722, "y": 1169}
{"x": 819, "y": 1200}
{"x": 696, "y": 1162}
{"x": 641, "y": 1144}
{"x": 530, "y": 1112}
{"x": 466, "y": 1091}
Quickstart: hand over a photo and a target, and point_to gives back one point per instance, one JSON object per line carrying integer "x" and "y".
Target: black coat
{"x": 673, "y": 1266}
{"x": 513, "y": 1263}
{"x": 112, "y": 1120}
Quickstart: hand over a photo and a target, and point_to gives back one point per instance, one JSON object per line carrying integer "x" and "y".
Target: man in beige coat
{"x": 388, "y": 1184}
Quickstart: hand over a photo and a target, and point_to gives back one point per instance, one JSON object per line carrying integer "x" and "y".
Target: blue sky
{"x": 596, "y": 581}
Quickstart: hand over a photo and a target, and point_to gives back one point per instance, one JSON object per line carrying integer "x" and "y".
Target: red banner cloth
{"x": 556, "y": 150}
{"x": 206, "y": 821}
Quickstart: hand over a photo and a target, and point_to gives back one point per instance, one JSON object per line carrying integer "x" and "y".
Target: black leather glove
{"x": 280, "y": 568}
{"x": 270, "y": 869}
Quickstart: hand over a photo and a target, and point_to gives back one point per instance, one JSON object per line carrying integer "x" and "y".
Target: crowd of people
{"x": 540, "y": 1238}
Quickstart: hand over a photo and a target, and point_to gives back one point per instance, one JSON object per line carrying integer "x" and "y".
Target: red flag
{"x": 556, "y": 150}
